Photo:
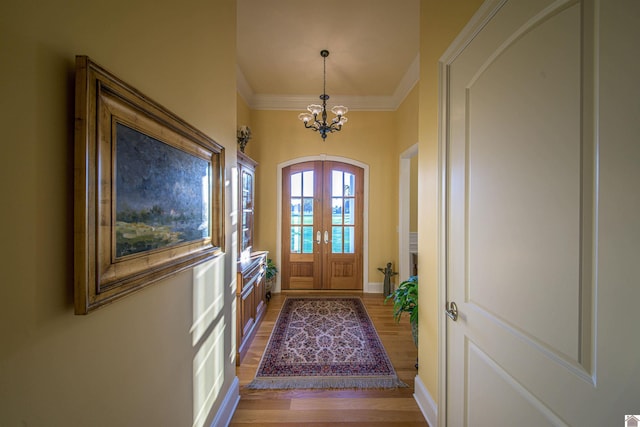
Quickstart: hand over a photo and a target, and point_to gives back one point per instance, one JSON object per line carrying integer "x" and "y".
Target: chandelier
{"x": 321, "y": 125}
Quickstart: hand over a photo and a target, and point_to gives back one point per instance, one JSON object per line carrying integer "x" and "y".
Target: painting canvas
{"x": 162, "y": 194}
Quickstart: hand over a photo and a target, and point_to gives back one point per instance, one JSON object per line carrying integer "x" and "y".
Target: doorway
{"x": 407, "y": 214}
{"x": 322, "y": 225}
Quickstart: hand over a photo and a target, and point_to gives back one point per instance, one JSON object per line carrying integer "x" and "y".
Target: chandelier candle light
{"x": 310, "y": 119}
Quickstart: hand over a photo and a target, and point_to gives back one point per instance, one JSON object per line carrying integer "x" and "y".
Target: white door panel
{"x": 524, "y": 178}
{"x": 525, "y": 203}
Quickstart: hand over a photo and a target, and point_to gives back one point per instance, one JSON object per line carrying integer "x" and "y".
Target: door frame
{"x": 366, "y": 287}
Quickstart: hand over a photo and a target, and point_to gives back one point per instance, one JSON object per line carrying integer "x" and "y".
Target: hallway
{"x": 327, "y": 407}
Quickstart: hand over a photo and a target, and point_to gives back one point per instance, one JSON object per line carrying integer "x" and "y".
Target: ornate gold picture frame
{"x": 148, "y": 190}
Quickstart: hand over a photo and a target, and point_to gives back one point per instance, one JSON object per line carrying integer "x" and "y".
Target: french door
{"x": 322, "y": 231}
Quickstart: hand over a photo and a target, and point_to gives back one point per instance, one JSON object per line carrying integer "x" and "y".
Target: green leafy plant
{"x": 405, "y": 300}
{"x": 271, "y": 269}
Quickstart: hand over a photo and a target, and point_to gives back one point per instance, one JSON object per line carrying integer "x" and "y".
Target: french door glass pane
{"x": 296, "y": 211}
{"x": 336, "y": 183}
{"x": 336, "y": 240}
{"x": 308, "y": 212}
{"x": 296, "y": 185}
{"x": 307, "y": 240}
{"x": 336, "y": 211}
{"x": 296, "y": 243}
{"x": 349, "y": 184}
{"x": 307, "y": 183}
{"x": 349, "y": 211}
{"x": 349, "y": 240}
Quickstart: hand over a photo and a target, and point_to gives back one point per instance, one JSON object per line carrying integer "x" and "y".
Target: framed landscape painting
{"x": 148, "y": 191}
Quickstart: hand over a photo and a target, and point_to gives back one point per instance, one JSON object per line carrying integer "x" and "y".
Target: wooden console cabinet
{"x": 251, "y": 300}
{"x": 251, "y": 289}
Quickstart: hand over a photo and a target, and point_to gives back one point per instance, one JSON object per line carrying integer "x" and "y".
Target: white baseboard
{"x": 374, "y": 288}
{"x": 425, "y": 402}
{"x": 229, "y": 405}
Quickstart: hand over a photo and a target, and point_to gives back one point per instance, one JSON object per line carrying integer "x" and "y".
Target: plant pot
{"x": 269, "y": 283}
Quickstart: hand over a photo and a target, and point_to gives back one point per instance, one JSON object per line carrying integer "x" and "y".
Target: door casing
{"x": 367, "y": 287}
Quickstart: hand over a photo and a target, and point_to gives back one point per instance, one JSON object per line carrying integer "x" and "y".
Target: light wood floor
{"x": 316, "y": 408}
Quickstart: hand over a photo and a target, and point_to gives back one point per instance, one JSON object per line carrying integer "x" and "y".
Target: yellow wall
{"x": 368, "y": 137}
{"x": 244, "y": 117}
{"x": 135, "y": 362}
{"x": 413, "y": 195}
{"x": 407, "y": 125}
{"x": 407, "y": 120}
{"x": 440, "y": 23}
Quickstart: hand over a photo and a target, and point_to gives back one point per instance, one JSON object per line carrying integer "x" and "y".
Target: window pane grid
{"x": 307, "y": 211}
{"x": 296, "y": 211}
{"x": 296, "y": 243}
{"x": 336, "y": 240}
{"x": 307, "y": 183}
{"x": 296, "y": 185}
{"x": 349, "y": 240}
{"x": 336, "y": 210}
{"x": 302, "y": 212}
{"x": 349, "y": 211}
{"x": 307, "y": 240}
{"x": 343, "y": 212}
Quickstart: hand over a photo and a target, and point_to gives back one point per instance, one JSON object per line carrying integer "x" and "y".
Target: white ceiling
{"x": 373, "y": 44}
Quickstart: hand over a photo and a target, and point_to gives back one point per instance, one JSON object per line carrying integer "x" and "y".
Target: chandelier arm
{"x": 306, "y": 125}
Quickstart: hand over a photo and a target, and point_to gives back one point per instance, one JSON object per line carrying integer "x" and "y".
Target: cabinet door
{"x": 246, "y": 209}
{"x": 261, "y": 289}
{"x": 246, "y": 203}
{"x": 247, "y": 310}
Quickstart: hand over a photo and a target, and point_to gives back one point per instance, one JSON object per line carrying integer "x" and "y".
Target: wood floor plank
{"x": 333, "y": 424}
{"x": 318, "y": 408}
{"x": 322, "y": 415}
{"x": 371, "y": 403}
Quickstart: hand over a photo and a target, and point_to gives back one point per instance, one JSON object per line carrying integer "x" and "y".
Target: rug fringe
{"x": 324, "y": 383}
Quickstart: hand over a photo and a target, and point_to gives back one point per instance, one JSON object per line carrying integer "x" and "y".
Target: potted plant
{"x": 271, "y": 271}
{"x": 405, "y": 300}
{"x": 244, "y": 135}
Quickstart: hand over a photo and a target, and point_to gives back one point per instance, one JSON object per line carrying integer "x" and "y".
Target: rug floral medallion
{"x": 324, "y": 342}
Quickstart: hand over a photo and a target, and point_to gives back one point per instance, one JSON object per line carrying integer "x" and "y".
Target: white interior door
{"x": 541, "y": 134}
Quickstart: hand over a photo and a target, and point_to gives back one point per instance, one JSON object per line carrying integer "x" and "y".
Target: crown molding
{"x": 300, "y": 102}
{"x": 355, "y": 103}
{"x": 243, "y": 87}
{"x": 408, "y": 82}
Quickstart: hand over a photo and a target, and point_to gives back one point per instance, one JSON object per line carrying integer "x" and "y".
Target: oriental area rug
{"x": 327, "y": 343}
